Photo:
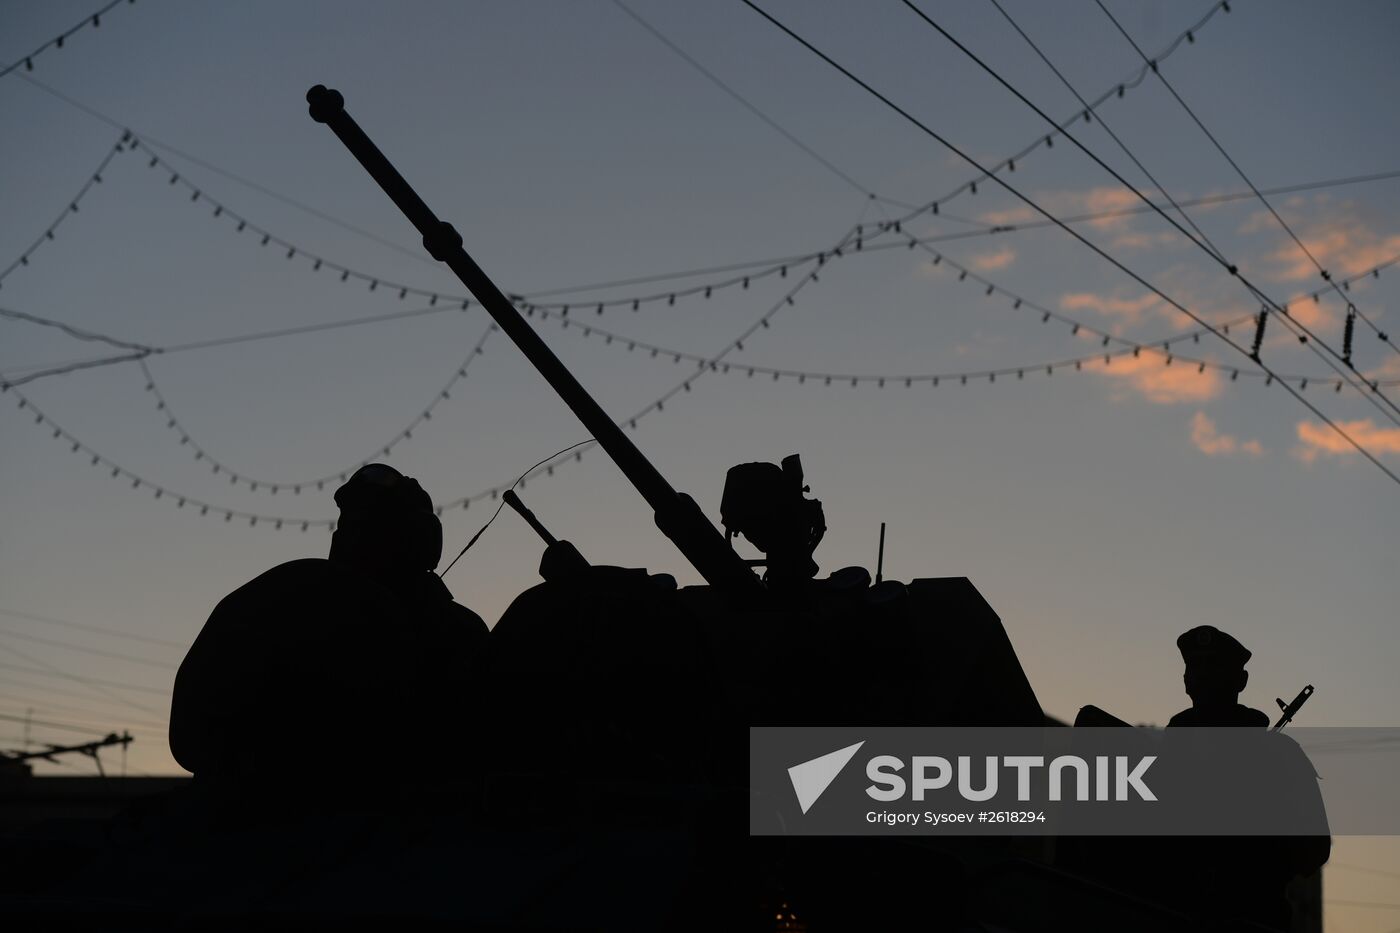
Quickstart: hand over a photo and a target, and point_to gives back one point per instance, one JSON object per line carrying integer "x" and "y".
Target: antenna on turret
{"x": 880, "y": 559}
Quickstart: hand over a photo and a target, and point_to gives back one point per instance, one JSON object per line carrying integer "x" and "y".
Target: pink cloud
{"x": 1131, "y": 309}
{"x": 1341, "y": 240}
{"x": 1316, "y": 439}
{"x": 1009, "y": 217}
{"x": 1150, "y": 376}
{"x": 1098, "y": 200}
{"x": 989, "y": 262}
{"x": 1212, "y": 443}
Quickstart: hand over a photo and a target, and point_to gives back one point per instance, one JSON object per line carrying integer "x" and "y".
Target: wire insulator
{"x": 1347, "y": 334}
{"x": 1263, "y": 319}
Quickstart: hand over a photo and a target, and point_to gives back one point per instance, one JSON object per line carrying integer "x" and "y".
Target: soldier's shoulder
{"x": 293, "y": 579}
{"x": 1250, "y": 716}
{"x": 1186, "y": 717}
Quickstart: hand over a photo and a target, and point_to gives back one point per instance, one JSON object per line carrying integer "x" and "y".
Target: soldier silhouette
{"x": 1214, "y": 678}
{"x": 766, "y": 504}
{"x": 1227, "y": 880}
{"x": 298, "y": 671}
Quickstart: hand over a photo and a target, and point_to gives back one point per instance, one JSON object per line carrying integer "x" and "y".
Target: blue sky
{"x": 1101, "y": 512}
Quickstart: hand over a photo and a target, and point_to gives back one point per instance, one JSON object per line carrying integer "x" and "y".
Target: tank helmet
{"x": 765, "y": 502}
{"x": 390, "y": 514}
{"x": 1205, "y": 646}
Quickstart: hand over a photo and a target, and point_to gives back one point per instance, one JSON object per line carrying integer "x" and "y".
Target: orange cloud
{"x": 1137, "y": 240}
{"x": 1098, "y": 200}
{"x": 1316, "y": 439}
{"x": 1212, "y": 443}
{"x": 989, "y": 262}
{"x": 1150, "y": 376}
{"x": 1132, "y": 309}
{"x": 1009, "y": 217}
{"x": 1343, "y": 242}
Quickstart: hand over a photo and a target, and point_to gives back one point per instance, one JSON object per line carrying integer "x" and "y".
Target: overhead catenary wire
{"x": 44, "y": 706}
{"x": 85, "y": 649}
{"x": 1119, "y": 89}
{"x": 1322, "y": 272}
{"x": 1329, "y": 422}
{"x": 750, "y": 106}
{"x": 1375, "y": 397}
{"x": 97, "y": 685}
{"x": 43, "y": 690}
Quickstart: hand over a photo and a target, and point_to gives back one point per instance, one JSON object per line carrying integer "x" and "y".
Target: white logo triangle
{"x": 811, "y": 778}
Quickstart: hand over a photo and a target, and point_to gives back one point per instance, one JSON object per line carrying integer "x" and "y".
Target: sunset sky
{"x": 1100, "y": 510}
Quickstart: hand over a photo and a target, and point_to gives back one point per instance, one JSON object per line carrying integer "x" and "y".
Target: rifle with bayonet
{"x": 1291, "y": 709}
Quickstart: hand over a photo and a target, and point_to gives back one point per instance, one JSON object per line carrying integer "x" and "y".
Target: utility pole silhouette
{"x": 89, "y": 749}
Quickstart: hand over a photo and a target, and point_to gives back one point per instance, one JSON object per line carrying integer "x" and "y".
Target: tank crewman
{"x": 765, "y": 503}
{"x": 300, "y": 672}
{"x": 1214, "y": 677}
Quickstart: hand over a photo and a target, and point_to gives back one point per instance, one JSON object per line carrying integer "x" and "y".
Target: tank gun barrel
{"x": 677, "y": 515}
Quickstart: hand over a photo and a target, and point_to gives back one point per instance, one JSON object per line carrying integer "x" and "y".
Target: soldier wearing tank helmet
{"x": 299, "y": 671}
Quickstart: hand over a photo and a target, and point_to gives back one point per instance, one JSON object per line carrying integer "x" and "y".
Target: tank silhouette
{"x": 612, "y": 791}
{"x": 618, "y": 667}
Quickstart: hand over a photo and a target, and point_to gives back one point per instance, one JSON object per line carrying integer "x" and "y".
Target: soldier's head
{"x": 1215, "y": 662}
{"x": 387, "y": 525}
{"x": 764, "y": 502}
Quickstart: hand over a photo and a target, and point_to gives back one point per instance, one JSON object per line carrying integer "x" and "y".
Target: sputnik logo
{"x": 810, "y": 779}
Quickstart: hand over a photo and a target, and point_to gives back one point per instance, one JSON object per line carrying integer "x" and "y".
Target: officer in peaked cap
{"x": 1214, "y": 677}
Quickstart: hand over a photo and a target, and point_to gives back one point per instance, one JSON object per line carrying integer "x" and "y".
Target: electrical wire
{"x": 1324, "y": 273}
{"x": 1375, "y": 397}
{"x": 1378, "y": 399}
{"x": 1092, "y": 246}
{"x": 69, "y": 646}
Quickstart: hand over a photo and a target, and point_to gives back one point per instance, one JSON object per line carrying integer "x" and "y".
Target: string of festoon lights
{"x": 255, "y": 484}
{"x": 860, "y": 241}
{"x": 1386, "y": 406}
{"x": 93, "y": 19}
{"x": 1162, "y": 349}
{"x": 262, "y": 484}
{"x": 94, "y": 178}
{"x": 1077, "y": 327}
{"x": 1353, "y": 312}
{"x": 714, "y": 363}
{"x": 279, "y": 522}
{"x": 375, "y": 282}
{"x": 873, "y": 238}
{"x": 1126, "y": 346}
